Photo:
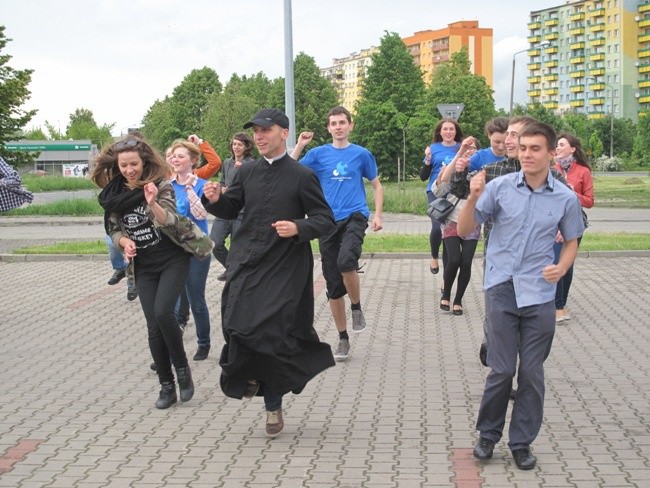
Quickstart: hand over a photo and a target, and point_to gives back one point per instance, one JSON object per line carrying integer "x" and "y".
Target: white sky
{"x": 117, "y": 57}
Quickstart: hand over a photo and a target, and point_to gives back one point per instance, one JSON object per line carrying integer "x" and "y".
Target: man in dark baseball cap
{"x": 267, "y": 117}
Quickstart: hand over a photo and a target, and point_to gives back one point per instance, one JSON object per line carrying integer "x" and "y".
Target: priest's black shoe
{"x": 484, "y": 448}
{"x": 117, "y": 276}
{"x": 185, "y": 383}
{"x": 167, "y": 395}
{"x": 524, "y": 459}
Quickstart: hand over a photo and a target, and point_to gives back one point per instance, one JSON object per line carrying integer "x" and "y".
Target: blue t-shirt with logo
{"x": 341, "y": 172}
{"x": 441, "y": 156}
{"x": 483, "y": 157}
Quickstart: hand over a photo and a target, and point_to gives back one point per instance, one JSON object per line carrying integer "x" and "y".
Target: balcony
{"x": 577, "y": 60}
{"x": 534, "y": 93}
{"x": 597, "y": 87}
{"x": 534, "y": 52}
{"x": 578, "y": 31}
{"x": 577, "y": 45}
{"x": 551, "y": 64}
{"x": 552, "y": 36}
{"x": 597, "y": 41}
{"x": 644, "y": 38}
{"x": 597, "y": 101}
{"x": 578, "y": 102}
{"x": 577, "y": 74}
{"x": 534, "y": 25}
{"x": 534, "y": 79}
{"x": 577, "y": 17}
{"x": 597, "y": 115}
{"x": 577, "y": 88}
{"x": 644, "y": 69}
{"x": 534, "y": 39}
{"x": 534, "y": 66}
{"x": 644, "y": 8}
{"x": 599, "y": 27}
{"x": 551, "y": 77}
{"x": 644, "y": 84}
{"x": 598, "y": 12}
{"x": 599, "y": 57}
{"x": 550, "y": 91}
{"x": 597, "y": 72}
{"x": 644, "y": 99}
{"x": 551, "y": 50}
{"x": 644, "y": 23}
{"x": 550, "y": 104}
{"x": 551, "y": 22}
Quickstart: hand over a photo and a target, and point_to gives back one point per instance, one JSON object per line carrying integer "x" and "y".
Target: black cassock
{"x": 267, "y": 306}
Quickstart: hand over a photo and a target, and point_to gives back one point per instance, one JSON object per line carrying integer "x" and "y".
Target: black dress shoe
{"x": 484, "y": 449}
{"x": 167, "y": 395}
{"x": 524, "y": 459}
{"x": 117, "y": 276}
{"x": 201, "y": 353}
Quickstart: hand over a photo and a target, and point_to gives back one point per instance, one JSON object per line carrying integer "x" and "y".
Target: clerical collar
{"x": 271, "y": 161}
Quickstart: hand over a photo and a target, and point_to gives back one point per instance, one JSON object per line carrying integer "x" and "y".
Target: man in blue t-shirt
{"x": 341, "y": 167}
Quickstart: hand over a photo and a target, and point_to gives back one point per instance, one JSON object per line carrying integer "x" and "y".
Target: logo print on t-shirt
{"x": 341, "y": 169}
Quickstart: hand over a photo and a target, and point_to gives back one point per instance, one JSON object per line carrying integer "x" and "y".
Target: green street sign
{"x": 47, "y": 147}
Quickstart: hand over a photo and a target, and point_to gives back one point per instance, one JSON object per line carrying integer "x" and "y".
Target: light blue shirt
{"x": 525, "y": 224}
{"x": 483, "y": 157}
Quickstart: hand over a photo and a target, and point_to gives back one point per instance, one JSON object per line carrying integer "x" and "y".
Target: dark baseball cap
{"x": 267, "y": 117}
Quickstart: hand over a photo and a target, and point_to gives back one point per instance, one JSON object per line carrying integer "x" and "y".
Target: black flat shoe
{"x": 434, "y": 270}
{"x": 444, "y": 306}
{"x": 524, "y": 459}
{"x": 457, "y": 311}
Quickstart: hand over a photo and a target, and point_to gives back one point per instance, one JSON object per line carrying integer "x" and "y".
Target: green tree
{"x": 594, "y": 147}
{"x": 228, "y": 111}
{"x": 35, "y": 134}
{"x": 13, "y": 94}
{"x": 190, "y": 99}
{"x": 541, "y": 113}
{"x": 454, "y": 82}
{"x": 314, "y": 98}
{"x": 390, "y": 94}
{"x": 83, "y": 126}
{"x": 641, "y": 151}
{"x": 159, "y": 125}
{"x": 580, "y": 125}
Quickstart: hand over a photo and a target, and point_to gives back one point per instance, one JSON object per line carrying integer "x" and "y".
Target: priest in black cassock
{"x": 267, "y": 306}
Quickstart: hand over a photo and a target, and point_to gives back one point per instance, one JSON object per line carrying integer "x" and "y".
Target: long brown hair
{"x": 579, "y": 154}
{"x": 436, "y": 132}
{"x": 106, "y": 168}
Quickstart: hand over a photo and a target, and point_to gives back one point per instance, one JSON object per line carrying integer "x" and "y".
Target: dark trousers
{"x": 460, "y": 254}
{"x": 563, "y": 286}
{"x": 514, "y": 332}
{"x": 435, "y": 236}
{"x": 158, "y": 289}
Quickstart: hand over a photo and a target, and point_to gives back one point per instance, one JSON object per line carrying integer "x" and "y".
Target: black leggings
{"x": 459, "y": 261}
{"x": 158, "y": 290}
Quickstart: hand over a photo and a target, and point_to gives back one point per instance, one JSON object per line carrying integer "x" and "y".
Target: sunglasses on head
{"x": 129, "y": 143}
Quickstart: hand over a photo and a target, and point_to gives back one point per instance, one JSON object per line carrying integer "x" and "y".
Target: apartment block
{"x": 591, "y": 57}
{"x": 428, "y": 48}
{"x": 431, "y": 47}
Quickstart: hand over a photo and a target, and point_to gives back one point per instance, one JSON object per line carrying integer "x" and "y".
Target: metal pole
{"x": 512, "y": 84}
{"x": 289, "y": 95}
{"x": 611, "y": 121}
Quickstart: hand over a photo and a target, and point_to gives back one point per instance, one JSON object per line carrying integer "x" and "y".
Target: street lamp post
{"x": 512, "y": 79}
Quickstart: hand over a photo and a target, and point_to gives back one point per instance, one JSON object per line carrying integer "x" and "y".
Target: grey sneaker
{"x": 358, "y": 321}
{"x": 274, "y": 422}
{"x": 343, "y": 350}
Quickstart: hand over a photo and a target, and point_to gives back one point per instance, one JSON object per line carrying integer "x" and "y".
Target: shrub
{"x": 607, "y": 164}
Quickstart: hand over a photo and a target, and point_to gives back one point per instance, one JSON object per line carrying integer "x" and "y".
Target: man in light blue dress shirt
{"x": 527, "y": 209}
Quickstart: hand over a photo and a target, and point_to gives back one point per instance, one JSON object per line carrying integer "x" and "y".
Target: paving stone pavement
{"x": 77, "y": 395}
